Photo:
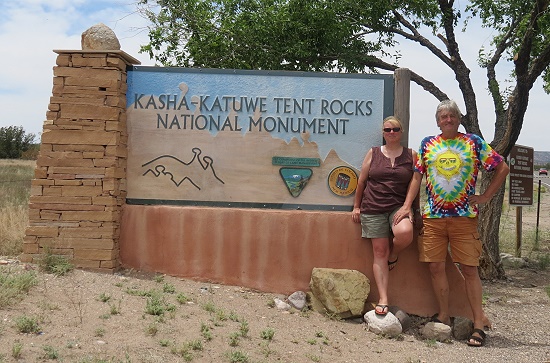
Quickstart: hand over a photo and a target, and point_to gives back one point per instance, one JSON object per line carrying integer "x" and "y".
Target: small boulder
{"x": 99, "y": 37}
{"x": 437, "y": 331}
{"x": 462, "y": 328}
{"x": 297, "y": 300}
{"x": 341, "y": 291}
{"x": 383, "y": 324}
{"x": 403, "y": 317}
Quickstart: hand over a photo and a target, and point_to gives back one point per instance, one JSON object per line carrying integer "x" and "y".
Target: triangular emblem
{"x": 295, "y": 179}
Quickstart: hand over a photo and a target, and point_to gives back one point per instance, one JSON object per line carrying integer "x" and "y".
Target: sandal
{"x": 391, "y": 264}
{"x": 435, "y": 319}
{"x": 383, "y": 309}
{"x": 479, "y": 341}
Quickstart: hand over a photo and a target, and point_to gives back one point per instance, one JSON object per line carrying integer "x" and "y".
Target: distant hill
{"x": 542, "y": 157}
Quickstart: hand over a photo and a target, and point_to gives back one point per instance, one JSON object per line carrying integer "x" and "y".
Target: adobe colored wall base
{"x": 271, "y": 251}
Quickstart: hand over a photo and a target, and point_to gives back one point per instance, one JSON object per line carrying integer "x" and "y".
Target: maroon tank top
{"x": 386, "y": 186}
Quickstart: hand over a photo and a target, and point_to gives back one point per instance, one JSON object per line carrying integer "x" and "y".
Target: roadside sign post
{"x": 521, "y": 185}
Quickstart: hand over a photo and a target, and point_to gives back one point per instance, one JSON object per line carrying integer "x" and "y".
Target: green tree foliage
{"x": 359, "y": 36}
{"x": 364, "y": 35}
{"x": 14, "y": 141}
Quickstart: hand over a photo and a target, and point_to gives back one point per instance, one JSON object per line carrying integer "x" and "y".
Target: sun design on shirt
{"x": 448, "y": 164}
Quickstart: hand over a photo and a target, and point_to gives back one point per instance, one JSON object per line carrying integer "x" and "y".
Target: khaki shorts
{"x": 377, "y": 225}
{"x": 458, "y": 233}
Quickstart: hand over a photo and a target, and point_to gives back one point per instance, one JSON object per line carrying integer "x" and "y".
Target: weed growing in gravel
{"x": 47, "y": 305}
{"x": 209, "y": 306}
{"x": 267, "y": 334}
{"x": 184, "y": 352}
{"x": 50, "y": 353}
{"x": 543, "y": 261}
{"x": 314, "y": 358}
{"x": 169, "y": 288}
{"x": 206, "y": 332}
{"x": 55, "y": 264}
{"x": 152, "y": 329}
{"x": 182, "y": 298}
{"x": 115, "y": 309}
{"x": 244, "y": 329}
{"x": 14, "y": 286}
{"x": 27, "y": 324}
{"x": 548, "y": 290}
{"x": 234, "y": 339}
{"x": 156, "y": 305}
{"x": 195, "y": 344}
{"x": 221, "y": 315}
{"x": 233, "y": 316}
{"x": 16, "y": 349}
{"x": 99, "y": 332}
{"x": 265, "y": 349}
{"x": 431, "y": 343}
{"x": 164, "y": 342}
{"x": 332, "y": 316}
{"x": 237, "y": 357}
{"x": 103, "y": 297}
{"x": 134, "y": 291}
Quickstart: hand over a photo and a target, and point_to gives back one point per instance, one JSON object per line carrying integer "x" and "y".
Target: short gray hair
{"x": 447, "y": 105}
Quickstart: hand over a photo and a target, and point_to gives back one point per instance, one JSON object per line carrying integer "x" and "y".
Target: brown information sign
{"x": 521, "y": 175}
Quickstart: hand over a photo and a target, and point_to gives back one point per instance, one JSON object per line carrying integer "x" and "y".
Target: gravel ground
{"x": 90, "y": 317}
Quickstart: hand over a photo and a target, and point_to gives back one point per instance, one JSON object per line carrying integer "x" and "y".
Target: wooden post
{"x": 402, "y": 101}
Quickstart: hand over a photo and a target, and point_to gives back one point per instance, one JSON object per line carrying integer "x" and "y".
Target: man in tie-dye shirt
{"x": 451, "y": 162}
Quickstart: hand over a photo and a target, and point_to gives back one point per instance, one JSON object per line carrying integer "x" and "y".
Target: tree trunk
{"x": 490, "y": 265}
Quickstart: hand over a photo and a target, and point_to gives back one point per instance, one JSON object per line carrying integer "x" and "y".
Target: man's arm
{"x": 501, "y": 171}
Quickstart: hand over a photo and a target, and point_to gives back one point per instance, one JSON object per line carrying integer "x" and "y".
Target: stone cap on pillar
{"x": 122, "y": 54}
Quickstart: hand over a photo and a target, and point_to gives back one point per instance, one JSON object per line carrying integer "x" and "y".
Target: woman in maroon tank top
{"x": 381, "y": 190}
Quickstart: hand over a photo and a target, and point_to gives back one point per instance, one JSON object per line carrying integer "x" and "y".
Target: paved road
{"x": 545, "y": 179}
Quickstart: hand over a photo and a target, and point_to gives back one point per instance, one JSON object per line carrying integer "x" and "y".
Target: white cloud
{"x": 31, "y": 29}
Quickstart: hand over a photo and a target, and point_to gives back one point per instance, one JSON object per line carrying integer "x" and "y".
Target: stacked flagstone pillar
{"x": 80, "y": 178}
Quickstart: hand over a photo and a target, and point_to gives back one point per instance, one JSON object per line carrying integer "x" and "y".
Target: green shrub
{"x": 26, "y": 324}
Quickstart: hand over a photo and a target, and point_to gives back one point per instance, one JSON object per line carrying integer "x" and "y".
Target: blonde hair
{"x": 393, "y": 120}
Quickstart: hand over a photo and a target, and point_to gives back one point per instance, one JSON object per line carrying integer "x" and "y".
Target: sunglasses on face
{"x": 389, "y": 129}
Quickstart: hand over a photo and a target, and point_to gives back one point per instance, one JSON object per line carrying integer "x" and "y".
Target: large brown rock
{"x": 99, "y": 37}
{"x": 341, "y": 291}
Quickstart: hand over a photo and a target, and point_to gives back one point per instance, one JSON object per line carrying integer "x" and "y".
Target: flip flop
{"x": 391, "y": 264}
{"x": 383, "y": 311}
{"x": 479, "y": 340}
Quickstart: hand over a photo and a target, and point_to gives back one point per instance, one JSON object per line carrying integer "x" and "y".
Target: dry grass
{"x": 13, "y": 221}
{"x": 15, "y": 182}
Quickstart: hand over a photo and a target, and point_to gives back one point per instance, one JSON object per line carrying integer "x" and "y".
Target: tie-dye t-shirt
{"x": 451, "y": 167}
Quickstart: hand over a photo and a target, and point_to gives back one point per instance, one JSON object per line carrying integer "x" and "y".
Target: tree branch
{"x": 462, "y": 72}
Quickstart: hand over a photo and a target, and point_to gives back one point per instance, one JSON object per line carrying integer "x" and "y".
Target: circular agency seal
{"x": 342, "y": 181}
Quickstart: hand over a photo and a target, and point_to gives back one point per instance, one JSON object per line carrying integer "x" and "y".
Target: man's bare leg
{"x": 440, "y": 286}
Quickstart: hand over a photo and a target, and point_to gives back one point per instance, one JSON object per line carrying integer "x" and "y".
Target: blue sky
{"x": 31, "y": 29}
